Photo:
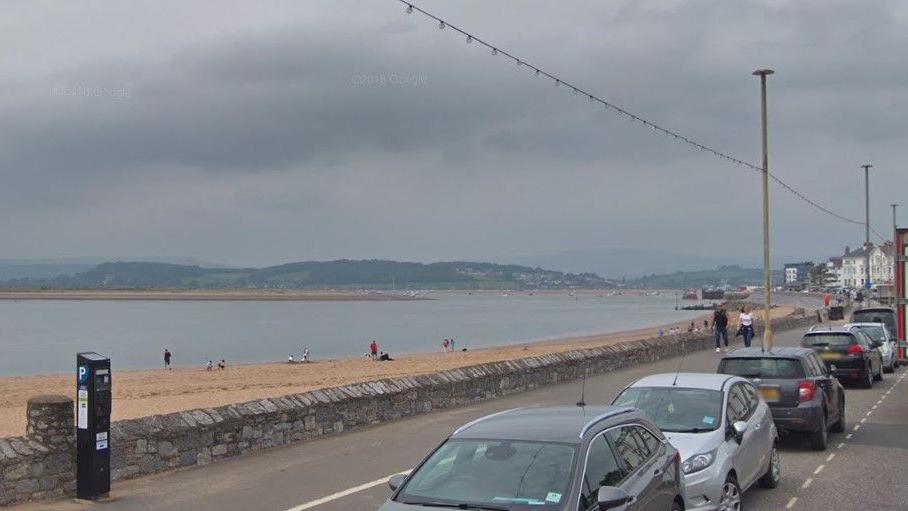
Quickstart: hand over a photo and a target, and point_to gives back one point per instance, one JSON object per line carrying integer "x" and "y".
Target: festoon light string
{"x": 558, "y": 81}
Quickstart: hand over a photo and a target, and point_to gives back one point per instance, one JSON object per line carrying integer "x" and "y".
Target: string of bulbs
{"x": 593, "y": 98}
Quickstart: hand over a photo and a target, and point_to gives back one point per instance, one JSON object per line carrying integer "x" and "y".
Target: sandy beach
{"x": 200, "y": 294}
{"x": 154, "y": 391}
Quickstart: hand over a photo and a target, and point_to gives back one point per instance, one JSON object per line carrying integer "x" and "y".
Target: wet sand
{"x": 154, "y": 391}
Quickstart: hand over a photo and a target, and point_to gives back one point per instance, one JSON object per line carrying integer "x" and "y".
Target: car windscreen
{"x": 875, "y": 316}
{"x": 828, "y": 339}
{"x": 493, "y": 473}
{"x": 875, "y": 333}
{"x": 676, "y": 409}
{"x": 766, "y": 368}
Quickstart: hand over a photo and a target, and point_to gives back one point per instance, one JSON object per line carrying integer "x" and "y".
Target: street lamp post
{"x": 867, "y": 168}
{"x": 767, "y": 269}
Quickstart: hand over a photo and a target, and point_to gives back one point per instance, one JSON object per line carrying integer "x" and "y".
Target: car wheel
{"x": 879, "y": 376}
{"x": 676, "y": 506}
{"x": 868, "y": 383}
{"x": 731, "y": 495}
{"x": 774, "y": 472}
{"x": 890, "y": 369}
{"x": 839, "y": 426}
{"x": 820, "y": 439}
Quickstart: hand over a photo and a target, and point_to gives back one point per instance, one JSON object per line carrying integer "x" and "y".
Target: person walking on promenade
{"x": 167, "y": 356}
{"x": 373, "y": 349}
{"x": 746, "y": 326}
{"x": 720, "y": 326}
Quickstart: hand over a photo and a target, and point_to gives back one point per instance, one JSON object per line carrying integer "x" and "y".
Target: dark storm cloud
{"x": 353, "y": 130}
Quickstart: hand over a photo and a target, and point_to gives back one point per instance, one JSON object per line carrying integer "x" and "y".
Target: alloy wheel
{"x": 731, "y": 497}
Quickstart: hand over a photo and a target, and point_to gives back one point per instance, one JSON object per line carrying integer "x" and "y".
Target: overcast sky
{"x": 264, "y": 132}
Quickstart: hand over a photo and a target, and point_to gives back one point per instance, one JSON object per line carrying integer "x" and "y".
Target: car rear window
{"x": 769, "y": 368}
{"x": 876, "y": 333}
{"x": 830, "y": 339}
{"x": 874, "y": 316}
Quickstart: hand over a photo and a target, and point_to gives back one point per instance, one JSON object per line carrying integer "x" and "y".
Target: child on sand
{"x": 209, "y": 366}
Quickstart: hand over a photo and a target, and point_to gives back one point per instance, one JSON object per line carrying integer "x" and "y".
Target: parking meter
{"x": 93, "y": 409}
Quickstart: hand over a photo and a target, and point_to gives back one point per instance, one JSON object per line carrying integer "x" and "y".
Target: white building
{"x": 854, "y": 267}
{"x": 881, "y": 265}
{"x": 835, "y": 275}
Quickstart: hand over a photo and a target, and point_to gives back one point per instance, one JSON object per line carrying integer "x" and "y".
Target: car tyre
{"x": 820, "y": 439}
{"x": 731, "y": 494}
{"x": 879, "y": 376}
{"x": 839, "y": 426}
{"x": 773, "y": 473}
{"x": 868, "y": 383}
{"x": 676, "y": 506}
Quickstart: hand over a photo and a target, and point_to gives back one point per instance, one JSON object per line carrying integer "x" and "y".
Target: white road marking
{"x": 863, "y": 420}
{"x": 848, "y": 436}
{"x": 791, "y": 503}
{"x": 819, "y": 469}
{"x": 842, "y": 444}
{"x": 874, "y": 406}
{"x": 829, "y": 458}
{"x": 807, "y": 483}
{"x": 856, "y": 427}
{"x": 350, "y": 491}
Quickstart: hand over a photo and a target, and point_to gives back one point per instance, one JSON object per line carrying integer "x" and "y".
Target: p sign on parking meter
{"x": 82, "y": 398}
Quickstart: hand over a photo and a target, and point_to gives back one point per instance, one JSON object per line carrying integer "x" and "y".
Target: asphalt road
{"x": 863, "y": 468}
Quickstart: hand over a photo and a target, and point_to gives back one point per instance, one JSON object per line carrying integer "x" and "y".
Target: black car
{"x": 799, "y": 389}
{"x": 849, "y": 353}
{"x": 548, "y": 458}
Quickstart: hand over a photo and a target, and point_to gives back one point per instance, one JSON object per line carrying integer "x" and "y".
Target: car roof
{"x": 864, "y": 323}
{"x": 546, "y": 423}
{"x": 875, "y": 309}
{"x": 775, "y": 352}
{"x": 709, "y": 381}
{"x": 830, "y": 330}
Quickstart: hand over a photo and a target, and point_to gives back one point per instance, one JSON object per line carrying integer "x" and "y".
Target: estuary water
{"x": 44, "y": 336}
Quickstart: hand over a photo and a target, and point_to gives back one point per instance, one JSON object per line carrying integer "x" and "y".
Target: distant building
{"x": 881, "y": 265}
{"x": 798, "y": 274}
{"x": 835, "y": 278}
{"x": 854, "y": 267}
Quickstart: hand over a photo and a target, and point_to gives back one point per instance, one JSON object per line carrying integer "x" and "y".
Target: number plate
{"x": 830, "y": 355}
{"x": 769, "y": 394}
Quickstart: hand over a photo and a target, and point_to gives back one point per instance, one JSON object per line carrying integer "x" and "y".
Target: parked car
{"x": 548, "y": 458}
{"x": 888, "y": 345}
{"x": 883, "y": 315}
{"x": 722, "y": 427}
{"x": 801, "y": 393}
{"x": 848, "y": 353}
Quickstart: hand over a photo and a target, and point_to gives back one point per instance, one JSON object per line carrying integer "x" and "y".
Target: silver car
{"x": 879, "y": 333}
{"x": 722, "y": 428}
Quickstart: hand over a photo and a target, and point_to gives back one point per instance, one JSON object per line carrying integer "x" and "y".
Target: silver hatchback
{"x": 722, "y": 428}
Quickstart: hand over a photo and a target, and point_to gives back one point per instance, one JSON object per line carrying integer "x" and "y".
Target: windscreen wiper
{"x": 488, "y": 507}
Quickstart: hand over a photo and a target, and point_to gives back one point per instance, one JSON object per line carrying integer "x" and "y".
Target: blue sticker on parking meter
{"x": 83, "y": 374}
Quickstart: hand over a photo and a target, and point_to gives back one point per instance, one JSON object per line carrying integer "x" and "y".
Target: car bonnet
{"x": 689, "y": 444}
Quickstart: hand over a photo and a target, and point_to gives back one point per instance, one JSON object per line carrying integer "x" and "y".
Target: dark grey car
{"x": 548, "y": 458}
{"x": 849, "y": 354}
{"x": 800, "y": 391}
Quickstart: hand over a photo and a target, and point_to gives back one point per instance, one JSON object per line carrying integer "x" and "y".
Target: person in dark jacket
{"x": 720, "y": 324}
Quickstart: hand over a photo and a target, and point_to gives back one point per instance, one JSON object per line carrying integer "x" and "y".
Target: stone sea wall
{"x": 41, "y": 464}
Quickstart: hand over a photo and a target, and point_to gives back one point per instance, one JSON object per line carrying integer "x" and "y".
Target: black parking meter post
{"x": 93, "y": 407}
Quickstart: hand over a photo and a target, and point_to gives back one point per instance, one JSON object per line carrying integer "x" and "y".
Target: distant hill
{"x": 731, "y": 275}
{"x": 341, "y": 274}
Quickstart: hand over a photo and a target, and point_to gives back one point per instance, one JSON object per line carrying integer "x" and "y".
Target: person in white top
{"x": 746, "y": 325}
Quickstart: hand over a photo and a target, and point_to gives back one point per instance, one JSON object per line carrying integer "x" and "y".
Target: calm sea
{"x": 44, "y": 336}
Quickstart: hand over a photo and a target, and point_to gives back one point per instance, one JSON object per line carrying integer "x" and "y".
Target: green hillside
{"x": 732, "y": 275}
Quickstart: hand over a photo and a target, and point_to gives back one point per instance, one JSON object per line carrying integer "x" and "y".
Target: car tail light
{"x": 855, "y": 349}
{"x": 806, "y": 390}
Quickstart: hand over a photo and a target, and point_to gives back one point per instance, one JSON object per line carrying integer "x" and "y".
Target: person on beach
{"x": 720, "y": 325}
{"x": 373, "y": 349}
{"x": 746, "y": 326}
{"x": 222, "y": 365}
{"x": 167, "y": 356}
{"x": 661, "y": 332}
{"x": 306, "y": 354}
{"x": 209, "y": 366}
{"x": 385, "y": 357}
{"x": 452, "y": 344}
{"x": 445, "y": 344}
{"x": 290, "y": 359}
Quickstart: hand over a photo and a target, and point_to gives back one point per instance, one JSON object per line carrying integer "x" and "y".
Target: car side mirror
{"x": 739, "y": 428}
{"x": 396, "y": 481}
{"x": 611, "y": 498}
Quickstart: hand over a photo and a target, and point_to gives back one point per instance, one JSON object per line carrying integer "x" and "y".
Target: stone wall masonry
{"x": 32, "y": 469}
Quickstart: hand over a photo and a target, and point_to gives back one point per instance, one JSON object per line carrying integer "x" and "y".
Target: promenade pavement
{"x": 862, "y": 469}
